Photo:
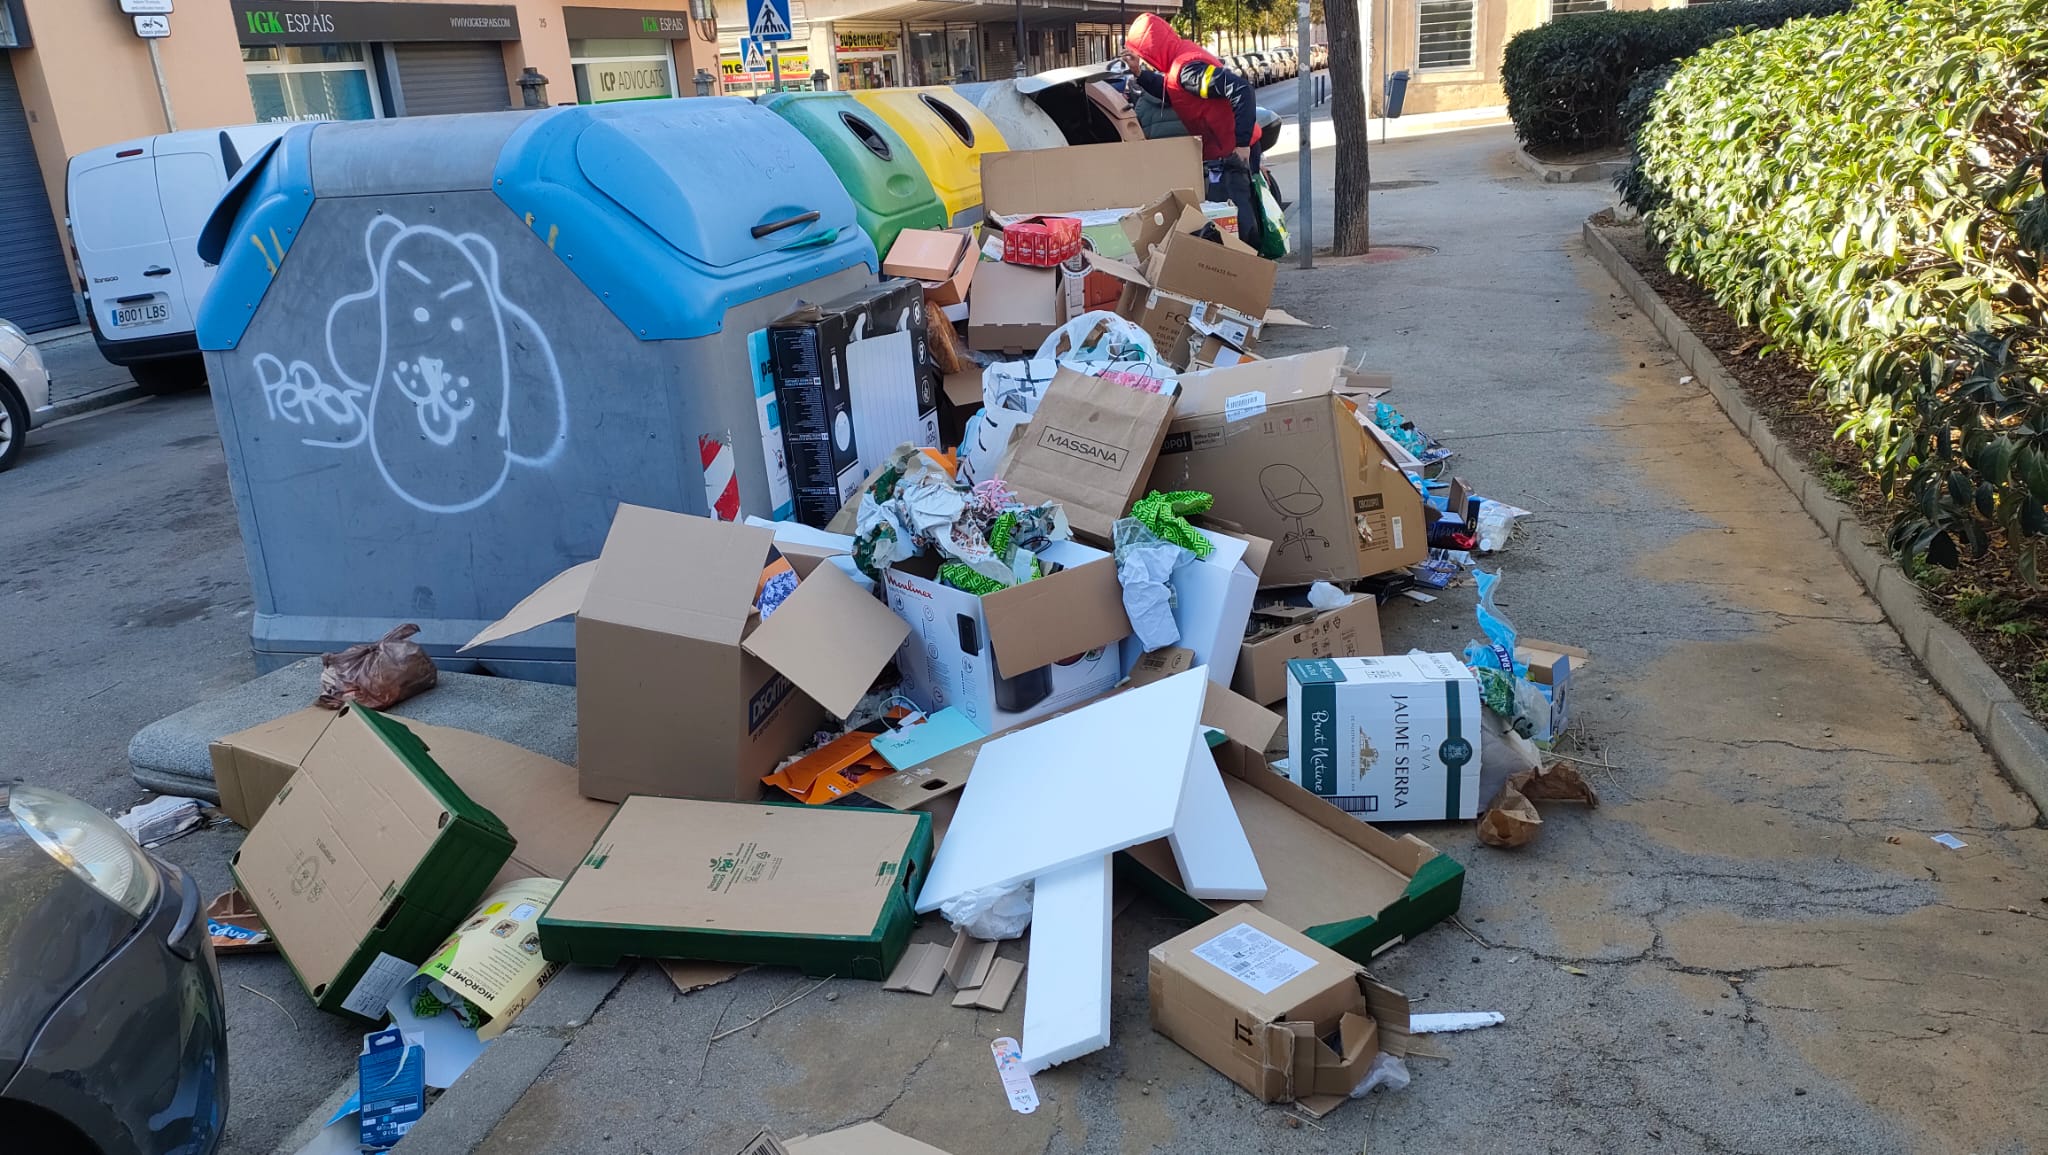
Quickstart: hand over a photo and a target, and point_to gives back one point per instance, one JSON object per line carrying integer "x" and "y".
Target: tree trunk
{"x": 1353, "y": 234}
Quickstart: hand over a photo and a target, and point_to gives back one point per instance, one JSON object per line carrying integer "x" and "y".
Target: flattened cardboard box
{"x": 1287, "y": 460}
{"x": 1257, "y": 1000}
{"x": 365, "y": 861}
{"x": 829, "y": 890}
{"x": 534, "y": 795}
{"x": 681, "y": 688}
{"x": 1341, "y": 882}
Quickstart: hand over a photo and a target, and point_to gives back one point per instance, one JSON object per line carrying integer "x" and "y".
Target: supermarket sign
{"x": 795, "y": 66}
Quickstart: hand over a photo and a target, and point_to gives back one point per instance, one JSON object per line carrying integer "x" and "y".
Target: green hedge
{"x": 1566, "y": 80}
{"x": 1867, "y": 189}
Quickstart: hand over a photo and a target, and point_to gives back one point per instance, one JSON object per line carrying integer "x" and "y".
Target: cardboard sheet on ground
{"x": 1067, "y": 976}
{"x": 1070, "y": 789}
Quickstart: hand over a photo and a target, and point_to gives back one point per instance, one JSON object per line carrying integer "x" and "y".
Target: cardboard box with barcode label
{"x": 1279, "y": 1014}
{"x": 1281, "y": 632}
{"x": 832, "y": 891}
{"x": 365, "y": 861}
{"x": 1389, "y": 739}
{"x": 1287, "y": 461}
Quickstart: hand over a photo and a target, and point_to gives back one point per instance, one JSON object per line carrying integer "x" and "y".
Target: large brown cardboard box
{"x": 1287, "y": 460}
{"x": 366, "y": 860}
{"x": 1346, "y": 632}
{"x": 1259, "y": 1001}
{"x": 1090, "y": 447}
{"x": 1079, "y": 178}
{"x": 681, "y": 688}
{"x": 534, "y": 795}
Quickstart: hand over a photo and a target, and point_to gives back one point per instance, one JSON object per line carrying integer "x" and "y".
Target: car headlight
{"x": 88, "y": 843}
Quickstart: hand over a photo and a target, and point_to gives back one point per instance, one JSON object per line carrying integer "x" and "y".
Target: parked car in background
{"x": 24, "y": 391}
{"x": 1319, "y": 56}
{"x": 1290, "y": 64}
{"x": 135, "y": 210}
{"x": 112, "y": 1036}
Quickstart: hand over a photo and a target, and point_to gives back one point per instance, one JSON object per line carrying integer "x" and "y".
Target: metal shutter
{"x": 35, "y": 287}
{"x": 438, "y": 78}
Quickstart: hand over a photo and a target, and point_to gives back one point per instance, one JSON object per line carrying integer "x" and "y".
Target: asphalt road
{"x": 125, "y": 598}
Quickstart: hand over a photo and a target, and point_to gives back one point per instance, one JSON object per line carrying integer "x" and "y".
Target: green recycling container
{"x": 889, "y": 188}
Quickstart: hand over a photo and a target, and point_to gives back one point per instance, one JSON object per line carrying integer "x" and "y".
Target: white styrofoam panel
{"x": 1066, "y": 975}
{"x": 1071, "y": 789}
{"x": 1209, "y": 846}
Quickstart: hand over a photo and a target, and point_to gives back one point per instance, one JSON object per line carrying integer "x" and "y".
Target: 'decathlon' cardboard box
{"x": 365, "y": 861}
{"x": 831, "y": 891}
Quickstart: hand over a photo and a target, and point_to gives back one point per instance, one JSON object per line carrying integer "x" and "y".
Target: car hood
{"x": 54, "y": 930}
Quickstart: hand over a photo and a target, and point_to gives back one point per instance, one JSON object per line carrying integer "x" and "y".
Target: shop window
{"x": 1445, "y": 32}
{"x": 311, "y": 82}
{"x": 608, "y": 71}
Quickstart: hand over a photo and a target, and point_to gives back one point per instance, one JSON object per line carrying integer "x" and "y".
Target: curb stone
{"x": 2014, "y": 738}
{"x": 465, "y": 1115}
{"x": 1587, "y": 173}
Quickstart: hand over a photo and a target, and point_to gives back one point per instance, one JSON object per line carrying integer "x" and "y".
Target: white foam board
{"x": 1066, "y": 975}
{"x": 1070, "y": 789}
{"x": 1209, "y": 846}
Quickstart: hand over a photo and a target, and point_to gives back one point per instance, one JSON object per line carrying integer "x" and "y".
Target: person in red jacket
{"x": 1215, "y": 104}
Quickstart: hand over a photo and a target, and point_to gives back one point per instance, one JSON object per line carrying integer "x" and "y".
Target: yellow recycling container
{"x": 947, "y": 135}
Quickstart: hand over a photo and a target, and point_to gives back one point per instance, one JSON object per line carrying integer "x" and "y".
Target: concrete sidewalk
{"x": 1753, "y": 946}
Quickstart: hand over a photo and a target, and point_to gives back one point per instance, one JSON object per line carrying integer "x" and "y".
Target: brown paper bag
{"x": 1089, "y": 447}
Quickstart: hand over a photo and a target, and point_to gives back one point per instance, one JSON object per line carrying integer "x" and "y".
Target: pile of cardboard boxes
{"x": 373, "y": 841}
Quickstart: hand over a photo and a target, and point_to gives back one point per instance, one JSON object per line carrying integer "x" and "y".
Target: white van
{"x": 135, "y": 210}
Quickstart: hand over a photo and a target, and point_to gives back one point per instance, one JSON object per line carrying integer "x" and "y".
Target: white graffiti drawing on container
{"x": 449, "y": 383}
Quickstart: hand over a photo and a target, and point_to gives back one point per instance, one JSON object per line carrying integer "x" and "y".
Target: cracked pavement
{"x": 1768, "y": 951}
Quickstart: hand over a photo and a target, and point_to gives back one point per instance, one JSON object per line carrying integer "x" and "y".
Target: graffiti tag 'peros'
{"x": 447, "y": 384}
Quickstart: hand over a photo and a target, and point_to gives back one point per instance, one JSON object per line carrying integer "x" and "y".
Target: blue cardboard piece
{"x": 949, "y": 729}
{"x": 391, "y": 1076}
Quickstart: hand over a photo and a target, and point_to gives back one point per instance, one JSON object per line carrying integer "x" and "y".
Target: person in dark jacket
{"x": 1215, "y": 104}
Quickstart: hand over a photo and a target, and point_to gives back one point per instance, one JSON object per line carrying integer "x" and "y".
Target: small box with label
{"x": 1389, "y": 739}
{"x": 1286, "y": 1018}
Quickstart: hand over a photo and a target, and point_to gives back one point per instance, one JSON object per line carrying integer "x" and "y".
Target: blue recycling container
{"x": 444, "y": 349}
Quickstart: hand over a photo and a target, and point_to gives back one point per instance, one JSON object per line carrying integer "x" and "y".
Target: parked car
{"x": 112, "y": 1036}
{"x": 1290, "y": 64}
{"x": 1260, "y": 68}
{"x": 24, "y": 391}
{"x": 135, "y": 210}
{"x": 1319, "y": 56}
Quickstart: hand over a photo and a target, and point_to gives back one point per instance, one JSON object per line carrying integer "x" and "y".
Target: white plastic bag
{"x": 1099, "y": 336}
{"x": 992, "y": 913}
{"x": 1387, "y": 1071}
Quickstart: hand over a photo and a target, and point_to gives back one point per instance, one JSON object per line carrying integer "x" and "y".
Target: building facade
{"x": 74, "y": 75}
{"x": 1451, "y": 49}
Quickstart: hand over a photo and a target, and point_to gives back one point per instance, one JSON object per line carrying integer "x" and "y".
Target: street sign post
{"x": 152, "y": 27}
{"x": 769, "y": 20}
{"x": 146, "y": 7}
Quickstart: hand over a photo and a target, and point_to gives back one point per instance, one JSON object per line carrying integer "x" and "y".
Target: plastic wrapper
{"x": 1144, "y": 568}
{"x": 377, "y": 674}
{"x": 1496, "y": 524}
{"x": 1324, "y": 596}
{"x": 993, "y": 913}
{"x": 1494, "y": 659}
{"x": 1389, "y": 1071}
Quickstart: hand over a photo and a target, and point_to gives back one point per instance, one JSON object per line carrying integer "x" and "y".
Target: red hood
{"x": 1156, "y": 43}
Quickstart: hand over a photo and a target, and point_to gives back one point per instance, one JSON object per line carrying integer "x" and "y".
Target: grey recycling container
{"x": 444, "y": 349}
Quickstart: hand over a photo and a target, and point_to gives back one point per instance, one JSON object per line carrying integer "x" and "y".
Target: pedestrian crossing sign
{"x": 768, "y": 20}
{"x": 751, "y": 55}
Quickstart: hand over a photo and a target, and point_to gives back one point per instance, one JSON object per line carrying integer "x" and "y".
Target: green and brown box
{"x": 826, "y": 889}
{"x": 366, "y": 860}
{"x": 1341, "y": 882}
